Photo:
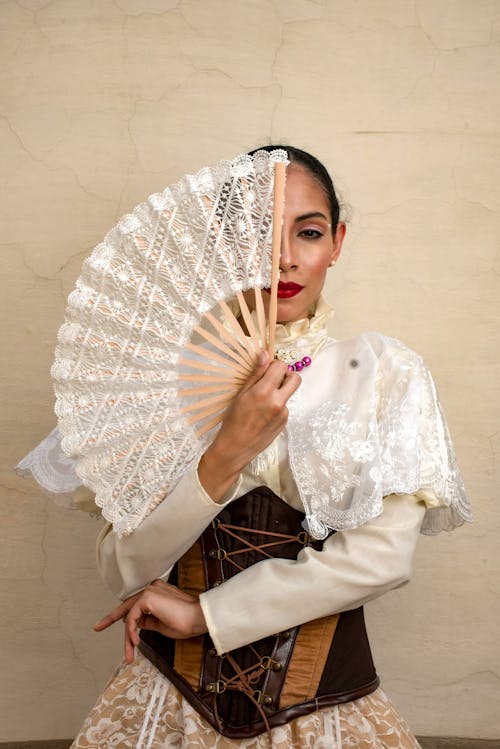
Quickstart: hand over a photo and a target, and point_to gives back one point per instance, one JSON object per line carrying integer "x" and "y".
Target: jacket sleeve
{"x": 353, "y": 567}
{"x": 129, "y": 563}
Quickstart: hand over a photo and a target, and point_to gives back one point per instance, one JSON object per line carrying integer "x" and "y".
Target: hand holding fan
{"x": 150, "y": 354}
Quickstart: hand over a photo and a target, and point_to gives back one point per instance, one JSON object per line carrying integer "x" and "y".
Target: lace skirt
{"x": 141, "y": 709}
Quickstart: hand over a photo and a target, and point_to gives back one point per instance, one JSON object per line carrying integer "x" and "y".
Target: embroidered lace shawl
{"x": 366, "y": 422}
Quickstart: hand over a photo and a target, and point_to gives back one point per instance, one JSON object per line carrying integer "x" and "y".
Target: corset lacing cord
{"x": 282, "y": 538}
{"x": 244, "y": 679}
{"x": 242, "y": 682}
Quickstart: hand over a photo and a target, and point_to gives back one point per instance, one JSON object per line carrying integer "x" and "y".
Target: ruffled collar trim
{"x": 294, "y": 340}
{"x": 289, "y": 332}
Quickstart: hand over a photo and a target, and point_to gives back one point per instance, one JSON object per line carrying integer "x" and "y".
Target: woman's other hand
{"x": 253, "y": 420}
{"x": 160, "y": 607}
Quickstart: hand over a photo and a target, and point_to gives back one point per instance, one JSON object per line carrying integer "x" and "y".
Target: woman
{"x": 261, "y": 626}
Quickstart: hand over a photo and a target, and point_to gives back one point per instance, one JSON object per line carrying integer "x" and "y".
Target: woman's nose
{"x": 287, "y": 256}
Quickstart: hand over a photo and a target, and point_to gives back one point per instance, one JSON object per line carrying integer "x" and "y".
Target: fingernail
{"x": 262, "y": 358}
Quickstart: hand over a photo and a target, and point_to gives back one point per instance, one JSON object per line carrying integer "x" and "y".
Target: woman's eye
{"x": 311, "y": 233}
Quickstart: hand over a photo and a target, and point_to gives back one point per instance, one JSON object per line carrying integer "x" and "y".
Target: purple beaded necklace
{"x": 299, "y": 365}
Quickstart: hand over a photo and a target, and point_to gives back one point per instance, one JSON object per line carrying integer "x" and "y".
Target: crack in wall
{"x": 420, "y": 25}
{"x": 20, "y": 141}
{"x": 459, "y": 681}
{"x": 75, "y": 652}
{"x": 56, "y": 278}
{"x": 275, "y": 79}
{"x": 454, "y": 47}
{"x": 16, "y": 485}
{"x": 142, "y": 13}
{"x": 185, "y": 18}
{"x": 33, "y": 11}
{"x": 43, "y": 539}
{"x": 284, "y": 19}
{"x": 50, "y": 167}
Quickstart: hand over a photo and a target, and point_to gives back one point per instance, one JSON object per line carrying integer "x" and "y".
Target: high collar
{"x": 294, "y": 340}
{"x": 289, "y": 332}
{"x": 299, "y": 338}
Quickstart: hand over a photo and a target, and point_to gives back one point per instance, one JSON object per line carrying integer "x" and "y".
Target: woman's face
{"x": 308, "y": 246}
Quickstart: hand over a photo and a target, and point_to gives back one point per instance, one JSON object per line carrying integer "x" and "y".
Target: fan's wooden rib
{"x": 222, "y": 371}
{"x": 235, "y": 337}
{"x": 240, "y": 340}
{"x": 278, "y": 207}
{"x": 206, "y": 378}
{"x": 247, "y": 317}
{"x": 210, "y": 424}
{"x": 261, "y": 315}
{"x": 217, "y": 343}
{"x": 208, "y": 412}
{"x": 218, "y": 399}
{"x": 227, "y": 363}
{"x": 206, "y": 390}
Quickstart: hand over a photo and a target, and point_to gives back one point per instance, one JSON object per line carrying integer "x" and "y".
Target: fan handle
{"x": 278, "y": 207}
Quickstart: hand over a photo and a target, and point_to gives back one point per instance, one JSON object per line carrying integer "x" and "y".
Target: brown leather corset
{"x": 270, "y": 682}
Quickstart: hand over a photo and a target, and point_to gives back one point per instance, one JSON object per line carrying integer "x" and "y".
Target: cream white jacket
{"x": 366, "y": 451}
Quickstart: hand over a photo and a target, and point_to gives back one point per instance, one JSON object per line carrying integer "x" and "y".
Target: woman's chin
{"x": 292, "y": 309}
{"x": 290, "y": 315}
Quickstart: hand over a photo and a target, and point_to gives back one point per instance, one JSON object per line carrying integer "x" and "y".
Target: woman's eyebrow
{"x": 313, "y": 214}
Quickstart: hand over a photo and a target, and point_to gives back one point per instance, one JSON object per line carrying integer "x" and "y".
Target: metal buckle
{"x": 217, "y": 554}
{"x": 261, "y": 698}
{"x": 219, "y": 686}
{"x": 269, "y": 664}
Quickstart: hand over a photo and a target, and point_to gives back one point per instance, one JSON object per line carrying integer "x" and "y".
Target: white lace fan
{"x": 139, "y": 381}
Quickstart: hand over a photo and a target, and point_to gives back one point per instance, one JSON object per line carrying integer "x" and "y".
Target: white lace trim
{"x": 52, "y": 469}
{"x": 156, "y": 703}
{"x": 381, "y": 432}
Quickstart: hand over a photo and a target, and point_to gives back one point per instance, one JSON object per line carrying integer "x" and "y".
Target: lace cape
{"x": 374, "y": 427}
{"x": 365, "y": 423}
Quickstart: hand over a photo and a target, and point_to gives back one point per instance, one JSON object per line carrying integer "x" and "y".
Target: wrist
{"x": 216, "y": 473}
{"x": 198, "y": 623}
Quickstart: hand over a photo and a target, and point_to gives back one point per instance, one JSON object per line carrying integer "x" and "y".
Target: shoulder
{"x": 366, "y": 366}
{"x": 384, "y": 364}
{"x": 383, "y": 350}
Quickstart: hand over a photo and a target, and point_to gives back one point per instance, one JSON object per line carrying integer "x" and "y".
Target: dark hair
{"x": 316, "y": 170}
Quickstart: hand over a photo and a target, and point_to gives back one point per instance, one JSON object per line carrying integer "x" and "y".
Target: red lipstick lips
{"x": 287, "y": 290}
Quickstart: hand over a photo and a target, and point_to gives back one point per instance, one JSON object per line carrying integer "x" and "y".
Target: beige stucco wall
{"x": 102, "y": 103}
